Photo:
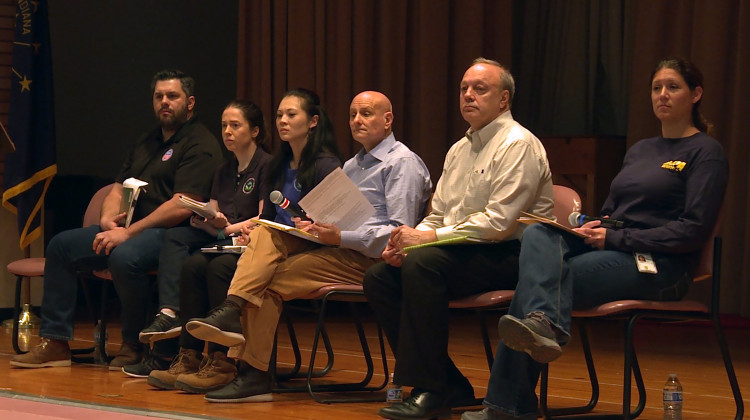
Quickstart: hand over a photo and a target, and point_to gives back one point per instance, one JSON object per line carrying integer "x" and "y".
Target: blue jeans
{"x": 558, "y": 272}
{"x": 70, "y": 252}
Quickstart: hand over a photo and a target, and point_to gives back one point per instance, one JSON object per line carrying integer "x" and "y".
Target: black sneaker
{"x": 162, "y": 327}
{"x": 144, "y": 368}
{"x": 222, "y": 326}
{"x": 533, "y": 335}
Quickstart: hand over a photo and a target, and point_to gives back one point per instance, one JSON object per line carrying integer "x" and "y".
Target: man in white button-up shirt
{"x": 492, "y": 174}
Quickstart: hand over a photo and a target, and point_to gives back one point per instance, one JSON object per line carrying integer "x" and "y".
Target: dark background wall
{"x": 104, "y": 55}
{"x": 581, "y": 67}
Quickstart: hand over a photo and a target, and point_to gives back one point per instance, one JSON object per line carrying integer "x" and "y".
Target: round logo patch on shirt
{"x": 249, "y": 185}
{"x": 167, "y": 155}
{"x": 297, "y": 185}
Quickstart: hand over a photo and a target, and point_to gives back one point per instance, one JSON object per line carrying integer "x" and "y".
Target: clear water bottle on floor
{"x": 673, "y": 398}
{"x": 393, "y": 392}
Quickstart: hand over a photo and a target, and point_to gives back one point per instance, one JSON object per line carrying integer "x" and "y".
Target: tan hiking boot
{"x": 187, "y": 361}
{"x": 130, "y": 353}
{"x": 215, "y": 372}
{"x": 48, "y": 353}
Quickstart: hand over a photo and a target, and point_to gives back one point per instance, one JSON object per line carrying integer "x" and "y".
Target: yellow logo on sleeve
{"x": 673, "y": 165}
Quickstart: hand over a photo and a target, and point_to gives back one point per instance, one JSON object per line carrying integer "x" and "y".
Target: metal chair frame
{"x": 98, "y": 351}
{"x": 353, "y": 295}
{"x": 632, "y": 311}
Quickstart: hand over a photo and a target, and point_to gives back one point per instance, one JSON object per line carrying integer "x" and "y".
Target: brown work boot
{"x": 215, "y": 372}
{"x": 187, "y": 361}
{"x": 48, "y": 353}
{"x": 130, "y": 353}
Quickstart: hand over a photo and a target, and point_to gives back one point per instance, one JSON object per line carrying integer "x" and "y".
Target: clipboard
{"x": 225, "y": 249}
{"x": 289, "y": 229}
{"x": 530, "y": 219}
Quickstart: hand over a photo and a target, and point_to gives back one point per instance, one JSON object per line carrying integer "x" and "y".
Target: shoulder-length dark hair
{"x": 321, "y": 140}
{"x": 693, "y": 78}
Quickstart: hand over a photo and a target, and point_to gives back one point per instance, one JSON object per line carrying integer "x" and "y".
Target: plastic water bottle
{"x": 673, "y": 398}
{"x": 393, "y": 392}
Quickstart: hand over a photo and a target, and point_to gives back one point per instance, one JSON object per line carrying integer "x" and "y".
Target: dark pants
{"x": 179, "y": 243}
{"x": 411, "y": 304}
{"x": 172, "y": 248}
{"x": 70, "y": 252}
{"x": 203, "y": 285}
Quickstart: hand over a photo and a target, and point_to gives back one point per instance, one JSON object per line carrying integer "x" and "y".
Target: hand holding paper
{"x": 207, "y": 210}
{"x": 326, "y": 233}
{"x": 336, "y": 200}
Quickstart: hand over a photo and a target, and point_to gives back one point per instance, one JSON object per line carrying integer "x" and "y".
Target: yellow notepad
{"x": 458, "y": 240}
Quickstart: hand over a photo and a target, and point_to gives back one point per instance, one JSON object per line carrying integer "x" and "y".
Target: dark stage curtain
{"x": 572, "y": 63}
{"x": 413, "y": 51}
{"x": 581, "y": 67}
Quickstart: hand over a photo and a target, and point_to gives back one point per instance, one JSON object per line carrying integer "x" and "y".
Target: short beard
{"x": 174, "y": 121}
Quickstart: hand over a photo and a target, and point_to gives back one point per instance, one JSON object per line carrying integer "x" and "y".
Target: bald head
{"x": 370, "y": 118}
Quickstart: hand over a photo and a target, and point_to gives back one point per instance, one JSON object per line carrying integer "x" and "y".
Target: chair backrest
{"x": 566, "y": 201}
{"x": 94, "y": 209}
{"x": 705, "y": 269}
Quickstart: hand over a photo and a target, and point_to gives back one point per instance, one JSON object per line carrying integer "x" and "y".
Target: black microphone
{"x": 291, "y": 208}
{"x": 578, "y": 219}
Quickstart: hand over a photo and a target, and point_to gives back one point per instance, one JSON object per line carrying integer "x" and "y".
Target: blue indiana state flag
{"x": 31, "y": 125}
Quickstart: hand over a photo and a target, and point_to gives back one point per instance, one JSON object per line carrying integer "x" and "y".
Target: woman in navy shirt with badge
{"x": 239, "y": 192}
{"x": 668, "y": 194}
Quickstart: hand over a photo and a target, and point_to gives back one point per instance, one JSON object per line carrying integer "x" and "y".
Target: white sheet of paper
{"x": 338, "y": 201}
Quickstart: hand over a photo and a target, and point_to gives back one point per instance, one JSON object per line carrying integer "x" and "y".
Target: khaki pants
{"x": 275, "y": 267}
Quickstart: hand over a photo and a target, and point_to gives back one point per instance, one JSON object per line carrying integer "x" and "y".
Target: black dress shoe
{"x": 425, "y": 405}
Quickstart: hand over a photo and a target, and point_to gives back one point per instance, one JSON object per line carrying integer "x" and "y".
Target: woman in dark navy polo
{"x": 239, "y": 190}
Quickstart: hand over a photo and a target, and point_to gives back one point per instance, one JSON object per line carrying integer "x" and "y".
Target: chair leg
{"x": 100, "y": 351}
{"x": 329, "y": 353}
{"x": 17, "y": 315}
{"x": 631, "y": 365}
{"x": 295, "y": 372}
{"x": 277, "y": 377}
{"x": 360, "y": 386}
{"x": 729, "y": 368}
{"x": 593, "y": 381}
{"x": 488, "y": 353}
{"x": 89, "y": 352}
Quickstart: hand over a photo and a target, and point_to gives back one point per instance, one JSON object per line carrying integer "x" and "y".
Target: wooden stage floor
{"x": 689, "y": 350}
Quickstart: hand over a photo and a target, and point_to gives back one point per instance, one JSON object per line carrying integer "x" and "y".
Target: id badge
{"x": 645, "y": 262}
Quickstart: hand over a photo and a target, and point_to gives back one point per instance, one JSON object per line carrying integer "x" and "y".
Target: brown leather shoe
{"x": 186, "y": 362}
{"x": 130, "y": 353}
{"x": 215, "y": 372}
{"x": 48, "y": 353}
